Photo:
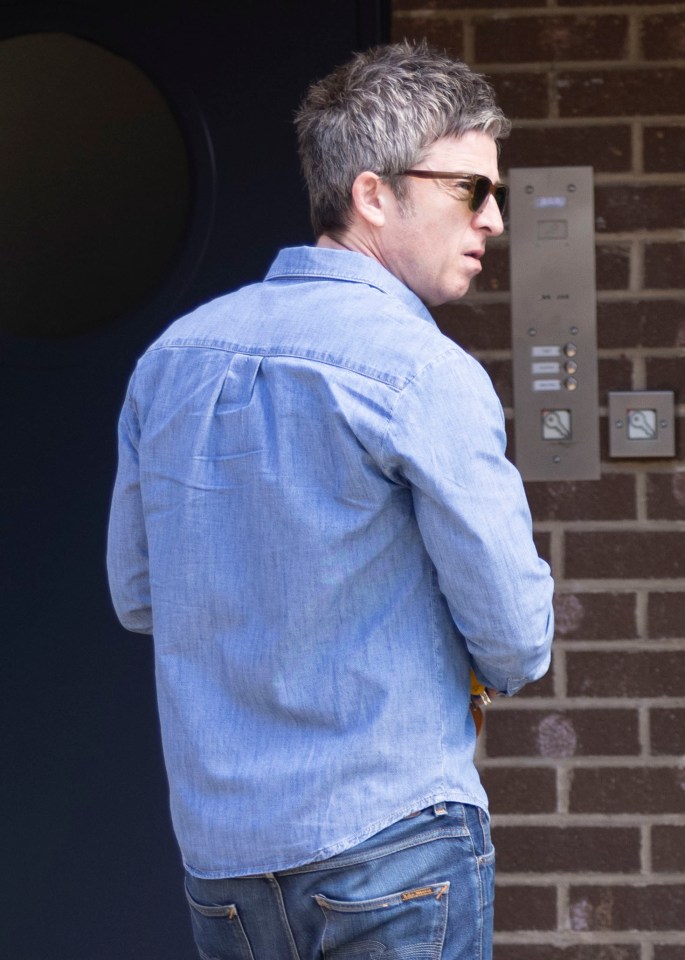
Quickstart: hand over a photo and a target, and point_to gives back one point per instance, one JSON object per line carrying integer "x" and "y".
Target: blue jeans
{"x": 422, "y": 889}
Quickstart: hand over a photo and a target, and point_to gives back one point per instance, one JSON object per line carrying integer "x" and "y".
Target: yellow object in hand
{"x": 479, "y": 697}
{"x": 479, "y": 691}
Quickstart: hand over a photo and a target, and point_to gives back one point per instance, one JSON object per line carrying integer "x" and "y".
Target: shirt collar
{"x": 322, "y": 263}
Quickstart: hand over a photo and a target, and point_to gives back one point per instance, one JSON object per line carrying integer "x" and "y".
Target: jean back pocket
{"x": 409, "y": 925}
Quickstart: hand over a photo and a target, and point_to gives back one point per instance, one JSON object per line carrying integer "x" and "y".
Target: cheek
{"x": 451, "y": 230}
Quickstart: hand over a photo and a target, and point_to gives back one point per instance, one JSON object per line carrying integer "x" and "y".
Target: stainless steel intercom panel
{"x": 554, "y": 323}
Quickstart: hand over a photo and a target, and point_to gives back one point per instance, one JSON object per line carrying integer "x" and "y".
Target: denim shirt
{"x": 314, "y": 516}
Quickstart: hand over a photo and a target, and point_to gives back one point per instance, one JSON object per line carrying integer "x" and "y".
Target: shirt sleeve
{"x": 447, "y": 440}
{"x": 127, "y": 550}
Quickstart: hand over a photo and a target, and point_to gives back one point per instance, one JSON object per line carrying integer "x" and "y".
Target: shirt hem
{"x": 341, "y": 846}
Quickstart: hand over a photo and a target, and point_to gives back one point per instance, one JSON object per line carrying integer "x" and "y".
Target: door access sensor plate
{"x": 641, "y": 424}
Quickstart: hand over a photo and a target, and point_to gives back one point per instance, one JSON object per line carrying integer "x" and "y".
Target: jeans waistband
{"x": 439, "y": 810}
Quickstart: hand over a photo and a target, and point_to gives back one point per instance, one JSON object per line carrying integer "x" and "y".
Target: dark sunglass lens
{"x": 481, "y": 190}
{"x": 501, "y": 196}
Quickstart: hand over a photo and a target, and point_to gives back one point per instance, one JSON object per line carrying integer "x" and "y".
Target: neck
{"x": 331, "y": 243}
{"x": 353, "y": 240}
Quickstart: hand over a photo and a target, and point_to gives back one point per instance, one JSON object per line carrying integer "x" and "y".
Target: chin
{"x": 447, "y": 296}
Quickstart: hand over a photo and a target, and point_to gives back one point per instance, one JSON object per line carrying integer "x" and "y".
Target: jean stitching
{"x": 437, "y": 891}
{"x": 432, "y": 949}
{"x": 284, "y": 916}
{"x": 226, "y": 912}
{"x": 482, "y": 861}
{"x": 476, "y": 857}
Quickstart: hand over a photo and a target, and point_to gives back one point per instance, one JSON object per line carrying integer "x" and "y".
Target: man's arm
{"x": 127, "y": 553}
{"x": 447, "y": 439}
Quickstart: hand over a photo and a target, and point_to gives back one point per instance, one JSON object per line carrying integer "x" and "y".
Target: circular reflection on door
{"x": 94, "y": 186}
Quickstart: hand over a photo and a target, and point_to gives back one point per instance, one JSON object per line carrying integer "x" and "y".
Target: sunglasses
{"x": 479, "y": 187}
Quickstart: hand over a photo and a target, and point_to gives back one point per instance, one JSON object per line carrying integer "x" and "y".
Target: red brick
{"x": 605, "y": 3}
{"x": 625, "y": 554}
{"x": 561, "y": 849}
{"x": 679, "y": 435}
{"x": 440, "y": 33}
{"x": 667, "y": 728}
{"x": 511, "y": 441}
{"x": 612, "y": 266}
{"x": 666, "y": 614}
{"x": 531, "y": 39}
{"x": 476, "y": 326}
{"x": 603, "y": 439}
{"x": 541, "y": 688}
{"x": 543, "y": 543}
{"x": 595, "y": 616}
{"x": 516, "y": 790}
{"x": 666, "y": 497}
{"x": 664, "y": 149}
{"x": 668, "y": 848}
{"x": 666, "y": 373}
{"x": 613, "y": 375}
{"x": 628, "y": 790}
{"x": 630, "y": 208}
{"x": 606, "y": 148}
{"x": 664, "y": 265}
{"x": 531, "y": 951}
{"x": 621, "y": 93}
{"x": 522, "y": 96}
{"x": 525, "y": 908}
{"x": 669, "y": 951}
{"x": 654, "y": 673}
{"x": 611, "y": 498}
{"x": 663, "y": 36}
{"x": 449, "y": 4}
{"x": 658, "y": 907}
{"x": 641, "y": 323}
{"x": 500, "y": 373}
{"x": 562, "y": 733}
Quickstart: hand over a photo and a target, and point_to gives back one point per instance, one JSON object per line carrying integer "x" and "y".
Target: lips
{"x": 475, "y": 257}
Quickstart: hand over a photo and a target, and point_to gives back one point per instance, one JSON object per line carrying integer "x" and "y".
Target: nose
{"x": 489, "y": 217}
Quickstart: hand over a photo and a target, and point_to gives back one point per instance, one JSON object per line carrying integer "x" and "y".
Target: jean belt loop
{"x": 439, "y": 809}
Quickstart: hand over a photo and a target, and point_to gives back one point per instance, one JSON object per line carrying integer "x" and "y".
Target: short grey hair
{"x": 381, "y": 112}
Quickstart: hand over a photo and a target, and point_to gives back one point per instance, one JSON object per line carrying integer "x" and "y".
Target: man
{"x": 314, "y": 516}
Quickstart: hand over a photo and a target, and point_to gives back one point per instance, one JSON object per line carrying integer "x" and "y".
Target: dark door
{"x": 148, "y": 164}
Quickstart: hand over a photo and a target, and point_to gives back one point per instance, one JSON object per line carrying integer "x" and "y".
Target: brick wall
{"x": 586, "y": 769}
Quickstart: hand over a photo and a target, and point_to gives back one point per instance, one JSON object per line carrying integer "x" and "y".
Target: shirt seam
{"x": 338, "y": 278}
{"x": 284, "y": 354}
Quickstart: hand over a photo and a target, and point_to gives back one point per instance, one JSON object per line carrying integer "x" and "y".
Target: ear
{"x": 369, "y": 198}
